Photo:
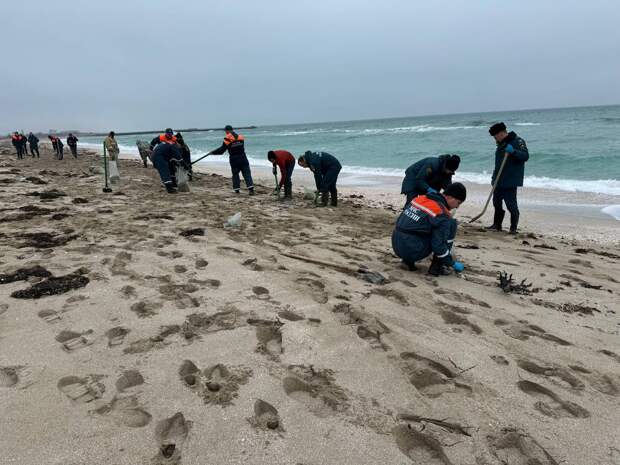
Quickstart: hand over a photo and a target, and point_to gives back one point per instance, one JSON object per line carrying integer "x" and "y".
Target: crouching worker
{"x": 286, "y": 161}
{"x": 326, "y": 168}
{"x": 426, "y": 226}
{"x": 429, "y": 175}
{"x": 166, "y": 158}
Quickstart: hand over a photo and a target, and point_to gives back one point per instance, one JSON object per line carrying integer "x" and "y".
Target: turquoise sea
{"x": 573, "y": 149}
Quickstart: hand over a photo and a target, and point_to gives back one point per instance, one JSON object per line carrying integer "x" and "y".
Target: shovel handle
{"x": 499, "y": 174}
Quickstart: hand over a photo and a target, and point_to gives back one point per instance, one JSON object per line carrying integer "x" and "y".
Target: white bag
{"x": 309, "y": 194}
{"x": 115, "y": 176}
{"x": 233, "y": 221}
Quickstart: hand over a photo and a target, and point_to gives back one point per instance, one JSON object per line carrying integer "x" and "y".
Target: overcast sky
{"x": 148, "y": 64}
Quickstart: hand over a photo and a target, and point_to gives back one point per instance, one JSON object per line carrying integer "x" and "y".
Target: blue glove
{"x": 430, "y": 190}
{"x": 509, "y": 148}
{"x": 458, "y": 267}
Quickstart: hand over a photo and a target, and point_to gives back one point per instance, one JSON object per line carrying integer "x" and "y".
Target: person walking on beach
{"x": 34, "y": 144}
{"x": 72, "y": 143}
{"x": 326, "y": 168}
{"x": 59, "y": 148}
{"x": 111, "y": 146}
{"x": 429, "y": 175}
{"x": 426, "y": 226}
{"x": 53, "y": 140}
{"x": 286, "y": 161}
{"x": 235, "y": 145}
{"x": 145, "y": 151}
{"x": 510, "y": 145}
{"x": 186, "y": 154}
{"x": 18, "y": 143}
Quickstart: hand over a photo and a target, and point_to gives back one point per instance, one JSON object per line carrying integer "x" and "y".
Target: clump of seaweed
{"x": 509, "y": 286}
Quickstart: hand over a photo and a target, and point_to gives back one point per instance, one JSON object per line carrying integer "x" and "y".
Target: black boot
{"x": 170, "y": 188}
{"x": 498, "y": 218}
{"x": 437, "y": 268}
{"x": 251, "y": 191}
{"x": 288, "y": 192}
{"x": 514, "y": 221}
{"x": 324, "y": 199}
{"x": 334, "y": 197}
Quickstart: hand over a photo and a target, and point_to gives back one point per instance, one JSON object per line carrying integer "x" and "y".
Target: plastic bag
{"x": 182, "y": 179}
{"x": 115, "y": 176}
{"x": 233, "y": 221}
{"x": 309, "y": 194}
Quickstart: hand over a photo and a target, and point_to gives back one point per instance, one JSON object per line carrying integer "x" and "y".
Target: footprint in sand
{"x": 129, "y": 292}
{"x": 523, "y": 331}
{"x": 460, "y": 297}
{"x": 265, "y": 416}
{"x": 3, "y": 308}
{"x": 602, "y": 383}
{"x": 549, "y": 403}
{"x": 217, "y": 384}
{"x": 50, "y": 316}
{"x": 81, "y": 390}
{"x": 261, "y": 292}
{"x": 392, "y": 295}
{"x": 201, "y": 323}
{"x": 201, "y": 263}
{"x": 367, "y": 327}
{"x": 429, "y": 377}
{"x": 289, "y": 315}
{"x": 611, "y": 354}
{"x": 557, "y": 375}
{"x": 452, "y": 318}
{"x": 315, "y": 287}
{"x": 170, "y": 435}
{"x": 269, "y": 337}
{"x": 124, "y": 407}
{"x": 422, "y": 449}
{"x": 72, "y": 340}
{"x": 116, "y": 335}
{"x": 9, "y": 376}
{"x": 315, "y": 389}
{"x": 511, "y": 446}
{"x": 145, "y": 309}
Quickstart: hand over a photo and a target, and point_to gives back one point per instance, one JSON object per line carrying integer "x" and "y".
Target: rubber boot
{"x": 437, "y": 268}
{"x": 498, "y": 218}
{"x": 324, "y": 199}
{"x": 288, "y": 192}
{"x": 514, "y": 221}
{"x": 334, "y": 198}
{"x": 170, "y": 188}
{"x": 251, "y": 191}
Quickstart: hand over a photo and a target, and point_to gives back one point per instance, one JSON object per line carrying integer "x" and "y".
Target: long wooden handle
{"x": 499, "y": 174}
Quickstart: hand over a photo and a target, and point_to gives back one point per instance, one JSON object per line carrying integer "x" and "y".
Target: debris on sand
{"x": 23, "y": 274}
{"x": 597, "y": 252}
{"x": 45, "y": 240}
{"x": 509, "y": 286}
{"x": 53, "y": 286}
{"x": 48, "y": 195}
{"x": 35, "y": 180}
{"x": 192, "y": 232}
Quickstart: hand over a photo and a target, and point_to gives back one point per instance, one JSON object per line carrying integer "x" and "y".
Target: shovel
{"x": 106, "y": 189}
{"x": 499, "y": 174}
{"x": 204, "y": 156}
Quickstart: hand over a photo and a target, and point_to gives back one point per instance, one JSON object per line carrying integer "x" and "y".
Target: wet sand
{"x": 136, "y": 329}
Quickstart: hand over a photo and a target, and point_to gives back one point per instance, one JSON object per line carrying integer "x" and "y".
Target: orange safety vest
{"x": 229, "y": 139}
{"x": 163, "y": 138}
{"x": 429, "y": 206}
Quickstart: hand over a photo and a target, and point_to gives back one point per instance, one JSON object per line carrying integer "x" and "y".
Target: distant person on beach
{"x": 145, "y": 151}
{"x": 34, "y": 144}
{"x": 326, "y": 168}
{"x": 72, "y": 143}
{"x": 18, "y": 143}
{"x": 166, "y": 138}
{"x": 111, "y": 146}
{"x": 235, "y": 145}
{"x": 426, "y": 226}
{"x": 53, "y": 140}
{"x": 511, "y": 177}
{"x": 186, "y": 154}
{"x": 286, "y": 162}
{"x": 59, "y": 148}
{"x": 429, "y": 175}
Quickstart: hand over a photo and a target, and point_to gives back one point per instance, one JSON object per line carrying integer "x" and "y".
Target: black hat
{"x": 169, "y": 131}
{"x": 228, "y": 127}
{"x": 456, "y": 190}
{"x": 453, "y": 162}
{"x": 497, "y": 128}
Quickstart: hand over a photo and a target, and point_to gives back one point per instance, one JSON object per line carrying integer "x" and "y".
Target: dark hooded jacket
{"x": 428, "y": 172}
{"x": 513, "y": 173}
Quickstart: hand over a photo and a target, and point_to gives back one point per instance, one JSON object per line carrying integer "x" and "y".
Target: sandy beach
{"x": 135, "y": 328}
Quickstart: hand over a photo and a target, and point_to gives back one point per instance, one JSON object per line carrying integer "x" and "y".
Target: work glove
{"x": 274, "y": 171}
{"x": 509, "y": 148}
{"x": 430, "y": 190}
{"x": 458, "y": 267}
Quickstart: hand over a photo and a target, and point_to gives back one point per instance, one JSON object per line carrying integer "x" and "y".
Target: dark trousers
{"x": 412, "y": 248}
{"x": 330, "y": 178}
{"x": 243, "y": 167}
{"x": 162, "y": 157}
{"x": 507, "y": 195}
{"x": 288, "y": 183}
{"x": 33, "y": 149}
{"x": 20, "y": 151}
{"x": 59, "y": 152}
{"x": 73, "y": 150}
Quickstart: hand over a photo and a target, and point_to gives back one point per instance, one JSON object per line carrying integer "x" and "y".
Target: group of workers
{"x": 425, "y": 225}
{"x": 21, "y": 142}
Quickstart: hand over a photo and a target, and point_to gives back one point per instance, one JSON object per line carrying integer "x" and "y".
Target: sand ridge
{"x": 136, "y": 329}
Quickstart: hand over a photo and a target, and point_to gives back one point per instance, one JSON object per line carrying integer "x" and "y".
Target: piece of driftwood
{"x": 454, "y": 427}
{"x": 359, "y": 272}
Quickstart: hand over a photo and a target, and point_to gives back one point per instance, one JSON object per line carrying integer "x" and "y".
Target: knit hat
{"x": 497, "y": 128}
{"x": 228, "y": 128}
{"x": 453, "y": 162}
{"x": 456, "y": 190}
